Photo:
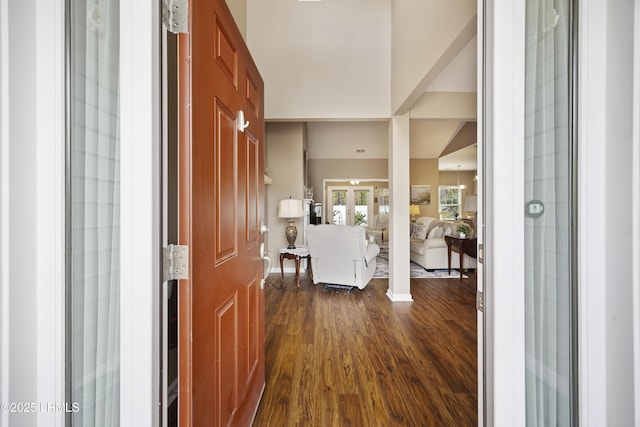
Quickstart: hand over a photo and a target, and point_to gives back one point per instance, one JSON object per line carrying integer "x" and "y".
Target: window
{"x": 449, "y": 201}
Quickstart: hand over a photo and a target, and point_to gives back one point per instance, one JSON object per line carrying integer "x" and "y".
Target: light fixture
{"x": 413, "y": 211}
{"x": 291, "y": 209}
{"x": 470, "y": 206}
{"x": 354, "y": 182}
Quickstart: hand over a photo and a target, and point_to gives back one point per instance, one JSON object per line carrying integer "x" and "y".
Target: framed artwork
{"x": 420, "y": 194}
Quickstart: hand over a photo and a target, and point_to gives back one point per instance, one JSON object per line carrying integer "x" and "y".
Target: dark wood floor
{"x": 338, "y": 359}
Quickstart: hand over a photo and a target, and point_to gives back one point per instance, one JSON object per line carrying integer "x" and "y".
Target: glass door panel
{"x": 362, "y": 206}
{"x": 549, "y": 307}
{"x": 338, "y": 206}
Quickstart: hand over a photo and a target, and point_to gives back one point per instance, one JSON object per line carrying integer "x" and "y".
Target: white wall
{"x": 238, "y": 9}
{"x": 284, "y": 145}
{"x": 330, "y": 59}
{"x": 340, "y": 140}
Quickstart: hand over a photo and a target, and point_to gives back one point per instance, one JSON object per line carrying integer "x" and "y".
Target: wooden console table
{"x": 295, "y": 254}
{"x": 467, "y": 246}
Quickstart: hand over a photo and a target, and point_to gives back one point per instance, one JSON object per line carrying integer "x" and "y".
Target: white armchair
{"x": 340, "y": 255}
{"x": 379, "y": 227}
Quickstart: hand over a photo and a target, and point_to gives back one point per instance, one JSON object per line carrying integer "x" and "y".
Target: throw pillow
{"x": 436, "y": 232}
{"x": 419, "y": 231}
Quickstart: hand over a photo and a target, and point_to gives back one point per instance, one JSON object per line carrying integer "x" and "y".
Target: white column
{"x": 399, "y": 289}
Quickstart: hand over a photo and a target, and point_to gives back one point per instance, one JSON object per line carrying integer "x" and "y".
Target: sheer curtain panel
{"x": 548, "y": 148}
{"x": 93, "y": 342}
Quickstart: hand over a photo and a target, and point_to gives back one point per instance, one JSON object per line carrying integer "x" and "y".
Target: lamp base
{"x": 291, "y": 232}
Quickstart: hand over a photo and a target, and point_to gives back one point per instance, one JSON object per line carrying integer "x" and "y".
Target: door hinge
{"x": 481, "y": 253}
{"x": 175, "y": 16}
{"x": 175, "y": 263}
{"x": 480, "y": 301}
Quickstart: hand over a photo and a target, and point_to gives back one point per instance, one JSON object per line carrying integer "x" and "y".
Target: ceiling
{"x": 332, "y": 59}
{"x": 464, "y": 159}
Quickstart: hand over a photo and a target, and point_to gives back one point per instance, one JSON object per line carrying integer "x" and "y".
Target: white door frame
{"x": 481, "y": 342}
{"x": 503, "y": 251}
{"x": 636, "y": 208}
{"x": 140, "y": 132}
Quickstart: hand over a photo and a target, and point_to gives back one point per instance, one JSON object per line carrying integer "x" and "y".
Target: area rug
{"x": 416, "y": 270}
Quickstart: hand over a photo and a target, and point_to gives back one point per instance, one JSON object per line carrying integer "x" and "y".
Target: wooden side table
{"x": 295, "y": 254}
{"x": 467, "y": 246}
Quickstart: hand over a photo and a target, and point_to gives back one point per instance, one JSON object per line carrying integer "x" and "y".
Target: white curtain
{"x": 547, "y": 237}
{"x": 95, "y": 214}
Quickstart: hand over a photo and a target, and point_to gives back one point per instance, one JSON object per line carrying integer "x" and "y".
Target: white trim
{"x": 399, "y": 297}
{"x": 591, "y": 210}
{"x": 140, "y": 212}
{"x": 505, "y": 159}
{"x": 50, "y": 212}
{"x": 636, "y": 208}
{"x": 32, "y": 261}
{"x": 4, "y": 208}
{"x": 480, "y": 341}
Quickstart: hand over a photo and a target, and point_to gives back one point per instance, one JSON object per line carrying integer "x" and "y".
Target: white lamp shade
{"x": 471, "y": 204}
{"x": 290, "y": 208}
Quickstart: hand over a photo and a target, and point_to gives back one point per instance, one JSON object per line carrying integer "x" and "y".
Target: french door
{"x": 350, "y": 205}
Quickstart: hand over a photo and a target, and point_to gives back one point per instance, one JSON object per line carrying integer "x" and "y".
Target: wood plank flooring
{"x": 338, "y": 359}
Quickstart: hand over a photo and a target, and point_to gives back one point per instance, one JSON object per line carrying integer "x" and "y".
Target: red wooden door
{"x": 221, "y": 306}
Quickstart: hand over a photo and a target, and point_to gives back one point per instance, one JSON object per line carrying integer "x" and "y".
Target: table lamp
{"x": 291, "y": 209}
{"x": 413, "y": 211}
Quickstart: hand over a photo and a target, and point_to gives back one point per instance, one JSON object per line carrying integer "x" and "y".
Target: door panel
{"x": 225, "y": 178}
{"x": 252, "y": 146}
{"x": 338, "y": 206}
{"x": 221, "y": 196}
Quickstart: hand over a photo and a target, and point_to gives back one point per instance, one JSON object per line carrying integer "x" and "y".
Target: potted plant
{"x": 463, "y": 230}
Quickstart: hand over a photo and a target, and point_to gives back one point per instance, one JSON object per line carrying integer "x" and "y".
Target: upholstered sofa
{"x": 428, "y": 247}
{"x": 341, "y": 255}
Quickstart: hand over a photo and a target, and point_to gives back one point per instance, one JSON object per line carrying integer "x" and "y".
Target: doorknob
{"x": 263, "y": 228}
{"x": 268, "y": 269}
